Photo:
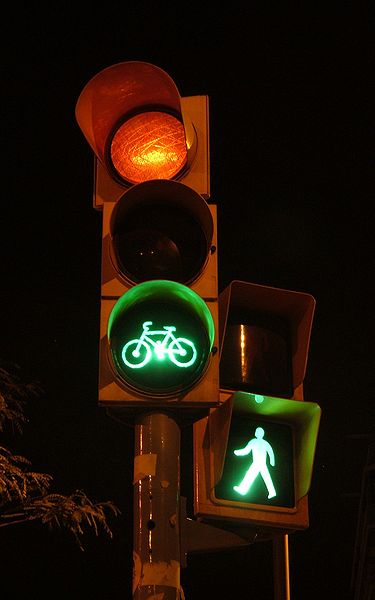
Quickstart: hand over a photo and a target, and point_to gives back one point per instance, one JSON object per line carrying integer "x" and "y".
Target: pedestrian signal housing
{"x": 253, "y": 455}
{"x": 254, "y": 459}
{"x": 265, "y": 336}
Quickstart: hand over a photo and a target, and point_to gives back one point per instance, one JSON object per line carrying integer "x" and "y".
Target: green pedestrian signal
{"x": 260, "y": 449}
{"x": 254, "y": 459}
{"x": 259, "y": 464}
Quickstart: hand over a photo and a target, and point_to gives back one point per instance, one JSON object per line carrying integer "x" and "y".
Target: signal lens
{"x": 161, "y": 335}
{"x": 162, "y": 242}
{"x": 256, "y": 356}
{"x": 150, "y": 145}
{"x": 259, "y": 465}
{"x": 161, "y": 229}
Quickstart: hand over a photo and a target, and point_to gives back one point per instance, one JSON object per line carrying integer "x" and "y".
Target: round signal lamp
{"x": 149, "y": 145}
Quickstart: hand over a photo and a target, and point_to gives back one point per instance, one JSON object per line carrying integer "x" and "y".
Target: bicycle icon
{"x": 138, "y": 352}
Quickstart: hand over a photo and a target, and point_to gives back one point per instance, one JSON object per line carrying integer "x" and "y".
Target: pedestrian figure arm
{"x": 244, "y": 451}
{"x": 271, "y": 455}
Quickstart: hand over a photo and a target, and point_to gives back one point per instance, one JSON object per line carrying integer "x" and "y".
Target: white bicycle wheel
{"x": 139, "y": 360}
{"x": 182, "y": 360}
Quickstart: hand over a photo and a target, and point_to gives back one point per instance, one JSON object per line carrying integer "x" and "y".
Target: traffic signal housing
{"x": 159, "y": 298}
{"x": 264, "y": 339}
{"x": 254, "y": 454}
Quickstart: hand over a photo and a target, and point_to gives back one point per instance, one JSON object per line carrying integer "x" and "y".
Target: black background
{"x": 290, "y": 121}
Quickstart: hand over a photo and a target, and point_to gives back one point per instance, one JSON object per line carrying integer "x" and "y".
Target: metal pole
{"x": 156, "y": 535}
{"x": 281, "y": 567}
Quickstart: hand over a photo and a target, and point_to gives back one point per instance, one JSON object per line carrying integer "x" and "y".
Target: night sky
{"x": 290, "y": 122}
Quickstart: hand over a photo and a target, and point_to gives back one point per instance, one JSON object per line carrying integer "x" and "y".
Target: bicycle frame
{"x": 160, "y": 347}
{"x": 179, "y": 350}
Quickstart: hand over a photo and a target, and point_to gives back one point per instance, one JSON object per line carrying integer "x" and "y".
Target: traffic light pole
{"x": 159, "y": 300}
{"x": 156, "y": 535}
{"x": 280, "y": 545}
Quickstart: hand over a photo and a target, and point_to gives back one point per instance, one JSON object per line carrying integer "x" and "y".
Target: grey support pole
{"x": 156, "y": 508}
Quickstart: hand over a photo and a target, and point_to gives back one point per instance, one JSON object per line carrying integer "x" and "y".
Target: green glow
{"x": 260, "y": 449}
{"x": 291, "y": 428}
{"x": 160, "y": 335}
{"x": 137, "y": 353}
{"x": 258, "y": 398}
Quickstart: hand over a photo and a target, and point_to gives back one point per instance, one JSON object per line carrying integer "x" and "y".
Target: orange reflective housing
{"x": 130, "y": 114}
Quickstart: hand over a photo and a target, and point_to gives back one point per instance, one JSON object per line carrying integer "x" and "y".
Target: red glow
{"x": 148, "y": 146}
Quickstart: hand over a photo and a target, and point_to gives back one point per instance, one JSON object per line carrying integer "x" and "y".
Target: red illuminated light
{"x": 130, "y": 114}
{"x": 150, "y": 145}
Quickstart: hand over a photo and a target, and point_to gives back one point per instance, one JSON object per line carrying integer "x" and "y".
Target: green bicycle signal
{"x": 160, "y": 335}
{"x": 138, "y": 352}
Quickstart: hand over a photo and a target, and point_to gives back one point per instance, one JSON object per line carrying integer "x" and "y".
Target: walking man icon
{"x": 260, "y": 449}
